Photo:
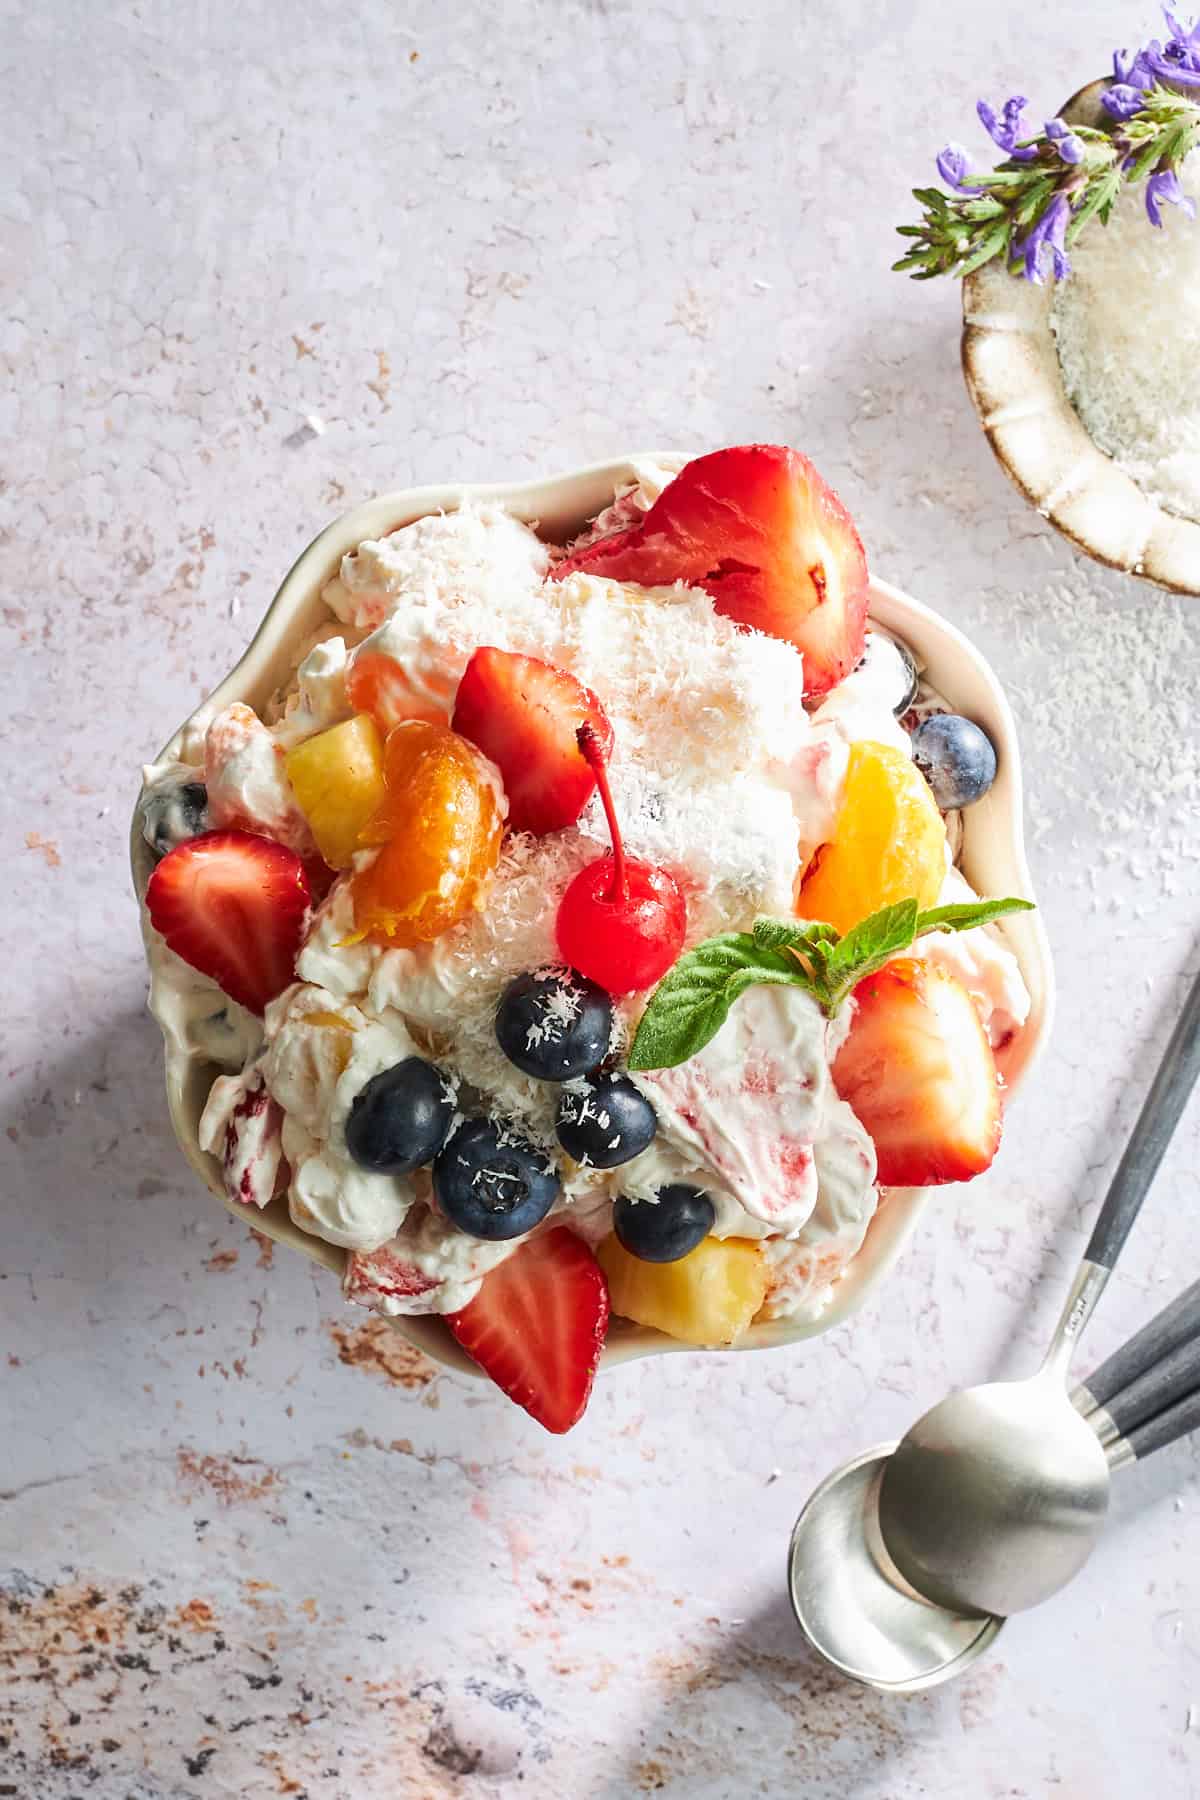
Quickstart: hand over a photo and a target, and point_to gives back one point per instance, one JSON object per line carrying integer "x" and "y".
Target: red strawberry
{"x": 537, "y": 1325}
{"x": 918, "y": 1071}
{"x": 233, "y": 906}
{"x": 526, "y": 715}
{"x": 773, "y": 545}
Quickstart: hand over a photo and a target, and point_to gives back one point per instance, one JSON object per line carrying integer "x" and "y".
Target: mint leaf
{"x": 792, "y": 934}
{"x": 865, "y": 947}
{"x": 966, "y": 914}
{"x": 871, "y": 940}
{"x": 692, "y": 1002}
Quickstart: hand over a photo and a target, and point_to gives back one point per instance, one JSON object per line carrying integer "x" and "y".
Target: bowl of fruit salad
{"x": 565, "y": 922}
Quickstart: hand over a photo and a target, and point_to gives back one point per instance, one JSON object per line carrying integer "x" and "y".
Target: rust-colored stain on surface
{"x": 45, "y": 847}
{"x": 195, "y": 1615}
{"x": 266, "y": 1250}
{"x": 221, "y": 1261}
{"x": 228, "y": 1477}
{"x": 378, "y": 1346}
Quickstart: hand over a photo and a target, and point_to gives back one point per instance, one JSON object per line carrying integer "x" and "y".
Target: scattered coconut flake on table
{"x": 1128, "y": 330}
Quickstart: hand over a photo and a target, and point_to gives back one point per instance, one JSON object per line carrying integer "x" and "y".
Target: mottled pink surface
{"x": 255, "y": 1545}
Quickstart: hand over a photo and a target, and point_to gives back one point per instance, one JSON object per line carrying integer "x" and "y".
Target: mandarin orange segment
{"x": 439, "y": 829}
{"x": 888, "y": 844}
{"x": 337, "y": 777}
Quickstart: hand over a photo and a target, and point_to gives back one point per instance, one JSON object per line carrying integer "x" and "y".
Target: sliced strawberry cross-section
{"x": 918, "y": 1071}
{"x": 234, "y": 906}
{"x": 526, "y": 714}
{"x": 537, "y": 1326}
{"x": 758, "y": 528}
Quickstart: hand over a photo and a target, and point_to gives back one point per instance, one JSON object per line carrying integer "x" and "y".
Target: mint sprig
{"x": 692, "y": 1002}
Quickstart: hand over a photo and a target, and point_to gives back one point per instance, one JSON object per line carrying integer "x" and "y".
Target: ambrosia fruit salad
{"x": 579, "y": 932}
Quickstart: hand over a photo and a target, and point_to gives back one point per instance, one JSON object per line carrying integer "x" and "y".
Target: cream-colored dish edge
{"x": 1011, "y": 368}
{"x": 993, "y": 856}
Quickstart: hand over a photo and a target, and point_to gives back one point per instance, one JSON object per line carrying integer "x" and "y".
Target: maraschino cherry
{"x": 622, "y": 921}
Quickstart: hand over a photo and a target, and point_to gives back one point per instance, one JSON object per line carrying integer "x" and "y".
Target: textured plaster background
{"x": 254, "y": 1546}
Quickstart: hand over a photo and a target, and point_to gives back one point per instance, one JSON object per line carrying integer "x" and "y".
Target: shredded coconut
{"x": 1128, "y": 329}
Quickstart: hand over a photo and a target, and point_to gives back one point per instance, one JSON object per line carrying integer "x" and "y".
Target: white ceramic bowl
{"x": 993, "y": 856}
{"x": 1011, "y": 367}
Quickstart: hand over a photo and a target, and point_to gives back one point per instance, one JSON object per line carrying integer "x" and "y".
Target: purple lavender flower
{"x": 1177, "y": 61}
{"x": 1069, "y": 147}
{"x": 953, "y": 167}
{"x": 1047, "y": 233}
{"x": 1125, "y": 67}
{"x": 1007, "y": 127}
{"x": 1164, "y": 188}
{"x": 1184, "y": 44}
{"x": 1123, "y": 100}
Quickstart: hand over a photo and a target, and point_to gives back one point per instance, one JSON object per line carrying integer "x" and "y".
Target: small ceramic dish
{"x": 1011, "y": 367}
{"x": 993, "y": 856}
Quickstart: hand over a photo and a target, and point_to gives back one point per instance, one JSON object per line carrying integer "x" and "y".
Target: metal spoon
{"x": 858, "y": 1612}
{"x": 994, "y": 1499}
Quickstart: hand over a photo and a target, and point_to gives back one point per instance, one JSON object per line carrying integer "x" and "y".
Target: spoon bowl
{"x": 854, "y": 1607}
{"x": 995, "y": 1498}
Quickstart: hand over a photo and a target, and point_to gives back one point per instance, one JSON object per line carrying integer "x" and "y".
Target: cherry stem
{"x": 592, "y": 753}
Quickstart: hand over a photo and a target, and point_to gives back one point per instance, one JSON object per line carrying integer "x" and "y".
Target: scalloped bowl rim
{"x": 992, "y": 845}
{"x": 1018, "y": 392}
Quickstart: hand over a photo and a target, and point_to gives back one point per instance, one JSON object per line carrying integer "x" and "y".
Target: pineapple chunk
{"x": 337, "y": 778}
{"x": 708, "y": 1297}
{"x": 888, "y": 842}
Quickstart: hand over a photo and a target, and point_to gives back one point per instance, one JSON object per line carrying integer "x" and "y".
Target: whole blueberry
{"x": 399, "y": 1120}
{"x": 665, "y": 1228}
{"x": 956, "y": 759}
{"x": 891, "y": 664}
{"x": 605, "y": 1123}
{"x": 172, "y": 813}
{"x": 554, "y": 1024}
{"x": 492, "y": 1183}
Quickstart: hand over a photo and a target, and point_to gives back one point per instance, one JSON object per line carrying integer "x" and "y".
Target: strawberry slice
{"x": 526, "y": 716}
{"x": 234, "y": 906}
{"x": 770, "y": 541}
{"x": 537, "y": 1325}
{"x": 918, "y": 1071}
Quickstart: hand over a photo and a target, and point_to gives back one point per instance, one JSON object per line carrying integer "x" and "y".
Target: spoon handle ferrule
{"x": 1154, "y": 1434}
{"x": 1178, "y": 1323}
{"x": 1078, "y": 1307}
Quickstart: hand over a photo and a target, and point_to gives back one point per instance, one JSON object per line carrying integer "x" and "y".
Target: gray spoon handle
{"x": 1173, "y": 1326}
{"x": 1157, "y": 1120}
{"x": 1172, "y": 1379}
{"x": 1156, "y": 1433}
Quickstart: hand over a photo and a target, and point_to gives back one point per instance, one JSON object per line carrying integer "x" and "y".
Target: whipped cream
{"x": 320, "y": 1054}
{"x": 246, "y": 775}
{"x": 987, "y": 969}
{"x": 319, "y": 699}
{"x": 427, "y": 1267}
{"x": 719, "y": 773}
{"x": 805, "y": 1269}
{"x": 242, "y": 1125}
{"x": 751, "y": 1106}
